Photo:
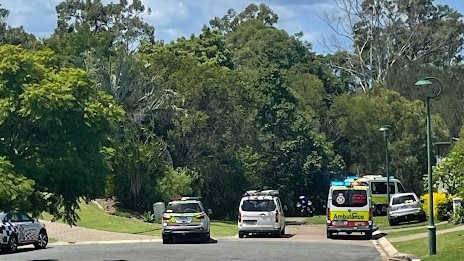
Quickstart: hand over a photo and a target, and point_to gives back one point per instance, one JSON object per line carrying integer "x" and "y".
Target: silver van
{"x": 261, "y": 212}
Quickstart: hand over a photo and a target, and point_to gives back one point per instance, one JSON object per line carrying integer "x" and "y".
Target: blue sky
{"x": 175, "y": 18}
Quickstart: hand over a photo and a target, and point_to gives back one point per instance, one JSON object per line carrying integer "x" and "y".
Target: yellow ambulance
{"x": 349, "y": 209}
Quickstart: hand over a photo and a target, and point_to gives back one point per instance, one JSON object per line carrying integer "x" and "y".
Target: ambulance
{"x": 349, "y": 209}
{"x": 378, "y": 189}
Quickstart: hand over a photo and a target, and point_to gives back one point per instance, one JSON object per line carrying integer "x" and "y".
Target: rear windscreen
{"x": 349, "y": 198}
{"x": 258, "y": 205}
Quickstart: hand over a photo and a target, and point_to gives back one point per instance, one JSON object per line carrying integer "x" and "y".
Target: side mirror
{"x": 422, "y": 201}
{"x": 209, "y": 211}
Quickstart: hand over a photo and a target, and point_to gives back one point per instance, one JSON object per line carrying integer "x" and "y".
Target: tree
{"x": 384, "y": 33}
{"x": 232, "y": 19}
{"x": 450, "y": 171}
{"x": 14, "y": 35}
{"x": 356, "y": 137}
{"x": 15, "y": 189}
{"x": 55, "y": 126}
{"x": 91, "y": 25}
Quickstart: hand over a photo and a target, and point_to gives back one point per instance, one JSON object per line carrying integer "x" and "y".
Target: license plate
{"x": 250, "y": 222}
{"x": 340, "y": 222}
{"x": 183, "y": 219}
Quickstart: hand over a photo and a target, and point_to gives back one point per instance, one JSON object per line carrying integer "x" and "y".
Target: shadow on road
{"x": 268, "y": 236}
{"x": 193, "y": 241}
{"x": 295, "y": 222}
{"x": 358, "y": 236}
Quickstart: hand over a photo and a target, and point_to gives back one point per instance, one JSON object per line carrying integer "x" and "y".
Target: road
{"x": 302, "y": 242}
{"x": 220, "y": 250}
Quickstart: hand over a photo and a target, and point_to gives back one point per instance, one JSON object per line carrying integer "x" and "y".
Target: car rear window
{"x": 403, "y": 199}
{"x": 349, "y": 198}
{"x": 258, "y": 205}
{"x": 183, "y": 207}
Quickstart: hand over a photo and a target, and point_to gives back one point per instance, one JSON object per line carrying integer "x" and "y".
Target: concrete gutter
{"x": 388, "y": 251}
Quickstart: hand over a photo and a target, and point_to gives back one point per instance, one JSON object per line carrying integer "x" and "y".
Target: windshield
{"x": 178, "y": 207}
{"x": 349, "y": 198}
{"x": 258, "y": 205}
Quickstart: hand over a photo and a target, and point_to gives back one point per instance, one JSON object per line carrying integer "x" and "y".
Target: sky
{"x": 177, "y": 18}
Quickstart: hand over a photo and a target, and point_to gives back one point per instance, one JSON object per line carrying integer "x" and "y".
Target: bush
{"x": 439, "y": 198}
{"x": 444, "y": 209}
{"x": 458, "y": 216}
{"x": 148, "y": 217}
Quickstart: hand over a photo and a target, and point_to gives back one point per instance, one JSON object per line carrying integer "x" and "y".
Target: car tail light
{"x": 1, "y": 230}
{"x": 166, "y": 216}
{"x": 239, "y": 217}
{"x": 277, "y": 217}
{"x": 328, "y": 215}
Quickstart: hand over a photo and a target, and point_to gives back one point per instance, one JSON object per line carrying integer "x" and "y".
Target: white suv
{"x": 261, "y": 212}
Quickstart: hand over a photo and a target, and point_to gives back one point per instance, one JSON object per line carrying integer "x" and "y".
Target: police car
{"x": 17, "y": 229}
{"x": 186, "y": 218}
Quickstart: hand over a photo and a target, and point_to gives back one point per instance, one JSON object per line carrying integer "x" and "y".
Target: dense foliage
{"x": 102, "y": 109}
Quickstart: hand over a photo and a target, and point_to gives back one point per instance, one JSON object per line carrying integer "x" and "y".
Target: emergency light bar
{"x": 269, "y": 192}
{"x": 190, "y": 198}
{"x": 340, "y": 183}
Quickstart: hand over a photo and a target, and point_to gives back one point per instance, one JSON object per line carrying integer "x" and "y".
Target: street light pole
{"x": 384, "y": 129}
{"x": 432, "y": 231}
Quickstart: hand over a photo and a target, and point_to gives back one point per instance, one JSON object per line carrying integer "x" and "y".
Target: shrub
{"x": 438, "y": 198}
{"x": 148, "y": 217}
{"x": 444, "y": 209}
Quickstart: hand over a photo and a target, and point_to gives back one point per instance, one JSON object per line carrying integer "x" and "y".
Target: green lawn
{"x": 449, "y": 247}
{"x": 93, "y": 217}
{"x": 382, "y": 223}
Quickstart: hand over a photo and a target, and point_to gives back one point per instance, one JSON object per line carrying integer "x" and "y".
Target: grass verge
{"x": 93, "y": 217}
{"x": 449, "y": 247}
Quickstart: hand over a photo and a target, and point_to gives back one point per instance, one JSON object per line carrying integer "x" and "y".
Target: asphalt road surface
{"x": 301, "y": 242}
{"x": 245, "y": 249}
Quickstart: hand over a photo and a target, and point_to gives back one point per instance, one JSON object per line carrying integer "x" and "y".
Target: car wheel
{"x": 12, "y": 244}
{"x": 282, "y": 233}
{"x": 329, "y": 234}
{"x": 378, "y": 210}
{"x": 205, "y": 238}
{"x": 423, "y": 218}
{"x": 241, "y": 234}
{"x": 167, "y": 239}
{"x": 368, "y": 235}
{"x": 42, "y": 240}
{"x": 392, "y": 223}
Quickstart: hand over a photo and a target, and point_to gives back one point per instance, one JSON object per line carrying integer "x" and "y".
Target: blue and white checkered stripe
{"x": 8, "y": 229}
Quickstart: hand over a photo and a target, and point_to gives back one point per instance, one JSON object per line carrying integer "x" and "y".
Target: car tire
{"x": 167, "y": 239}
{"x": 205, "y": 238}
{"x": 392, "y": 223}
{"x": 329, "y": 234}
{"x": 368, "y": 235}
{"x": 42, "y": 240}
{"x": 282, "y": 233}
{"x": 241, "y": 234}
{"x": 12, "y": 244}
